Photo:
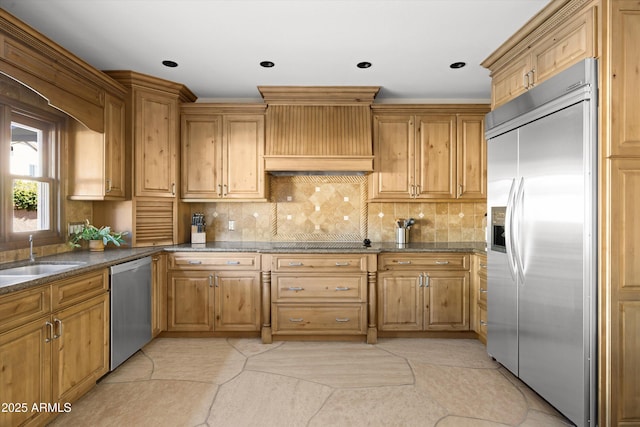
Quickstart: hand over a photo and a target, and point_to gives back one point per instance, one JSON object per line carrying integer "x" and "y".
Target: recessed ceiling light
{"x": 267, "y": 64}
{"x": 364, "y": 64}
{"x": 170, "y": 64}
{"x": 457, "y": 65}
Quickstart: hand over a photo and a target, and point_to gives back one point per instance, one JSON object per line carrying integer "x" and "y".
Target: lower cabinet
{"x": 58, "y": 352}
{"x": 423, "y": 301}
{"x": 320, "y": 294}
{"x": 213, "y": 292}
{"x": 423, "y": 292}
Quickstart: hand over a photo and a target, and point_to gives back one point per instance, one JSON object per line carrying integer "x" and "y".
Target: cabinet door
{"x": 436, "y": 157}
{"x": 510, "y": 81}
{"x": 202, "y": 156}
{"x": 155, "y": 144}
{"x": 243, "y": 159}
{"x": 568, "y": 45}
{"x": 237, "y": 301}
{"x": 446, "y": 301}
{"x": 625, "y": 290}
{"x": 400, "y": 306}
{"x": 190, "y": 301}
{"x": 114, "y": 147}
{"x": 25, "y": 371}
{"x": 472, "y": 157}
{"x": 80, "y": 350}
{"x": 394, "y": 148}
{"x": 625, "y": 84}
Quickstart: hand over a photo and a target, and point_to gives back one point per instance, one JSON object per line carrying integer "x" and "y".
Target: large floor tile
{"x": 141, "y": 404}
{"x": 138, "y": 367}
{"x": 450, "y": 352}
{"x": 474, "y": 393}
{"x": 194, "y": 359}
{"x": 335, "y": 364}
{"x": 404, "y": 406}
{"x": 260, "y": 399}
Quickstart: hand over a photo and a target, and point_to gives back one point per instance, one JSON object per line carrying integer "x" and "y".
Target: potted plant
{"x": 97, "y": 237}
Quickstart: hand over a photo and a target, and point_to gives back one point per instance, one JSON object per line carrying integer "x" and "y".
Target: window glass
{"x": 31, "y": 177}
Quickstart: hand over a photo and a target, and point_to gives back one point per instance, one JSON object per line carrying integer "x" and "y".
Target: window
{"x": 30, "y": 177}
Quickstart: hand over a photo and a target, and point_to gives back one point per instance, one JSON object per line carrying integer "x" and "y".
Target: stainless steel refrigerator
{"x": 541, "y": 243}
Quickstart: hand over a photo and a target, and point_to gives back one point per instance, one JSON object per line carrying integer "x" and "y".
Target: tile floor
{"x": 242, "y": 382}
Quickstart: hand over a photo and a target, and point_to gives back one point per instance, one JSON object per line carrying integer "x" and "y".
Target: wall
{"x": 317, "y": 208}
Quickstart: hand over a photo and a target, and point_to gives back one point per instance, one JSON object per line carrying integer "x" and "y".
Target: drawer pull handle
{"x": 403, "y": 262}
{"x": 483, "y": 323}
{"x": 442, "y": 262}
{"x": 296, "y": 288}
{"x": 342, "y": 319}
{"x": 483, "y": 265}
{"x": 295, "y": 264}
{"x": 483, "y": 291}
{"x": 49, "y": 337}
{"x": 192, "y": 262}
{"x": 233, "y": 262}
{"x": 58, "y": 322}
{"x": 342, "y": 264}
{"x": 342, "y": 288}
{"x": 296, "y": 320}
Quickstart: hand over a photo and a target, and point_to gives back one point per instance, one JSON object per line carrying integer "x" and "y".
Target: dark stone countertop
{"x": 328, "y": 247}
{"x": 89, "y": 261}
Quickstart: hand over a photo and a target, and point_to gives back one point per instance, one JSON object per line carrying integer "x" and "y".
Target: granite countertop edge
{"x": 90, "y": 261}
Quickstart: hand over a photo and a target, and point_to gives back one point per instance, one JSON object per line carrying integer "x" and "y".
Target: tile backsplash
{"x": 321, "y": 208}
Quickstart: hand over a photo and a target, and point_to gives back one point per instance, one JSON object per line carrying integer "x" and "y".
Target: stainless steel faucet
{"x": 32, "y": 256}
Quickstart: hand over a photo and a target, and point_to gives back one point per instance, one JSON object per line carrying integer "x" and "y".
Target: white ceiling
{"x": 218, "y": 44}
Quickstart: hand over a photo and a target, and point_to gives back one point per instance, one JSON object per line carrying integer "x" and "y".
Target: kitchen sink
{"x": 24, "y": 273}
{"x": 37, "y": 269}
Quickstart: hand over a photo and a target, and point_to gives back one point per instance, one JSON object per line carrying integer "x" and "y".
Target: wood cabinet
{"x": 54, "y": 344}
{"x": 564, "y": 45}
{"x": 151, "y": 131}
{"x": 97, "y": 161}
{"x": 158, "y": 294}
{"x": 418, "y": 292}
{"x": 320, "y": 294}
{"x": 428, "y": 153}
{"x": 222, "y": 152}
{"x": 472, "y": 157}
{"x": 155, "y": 142}
{"x": 213, "y": 292}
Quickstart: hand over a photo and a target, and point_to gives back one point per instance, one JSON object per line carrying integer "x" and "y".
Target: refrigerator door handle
{"x": 516, "y": 224}
{"x": 508, "y": 230}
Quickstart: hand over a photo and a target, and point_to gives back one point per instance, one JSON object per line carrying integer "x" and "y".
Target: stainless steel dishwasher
{"x": 130, "y": 308}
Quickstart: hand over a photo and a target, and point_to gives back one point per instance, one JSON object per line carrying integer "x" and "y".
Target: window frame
{"x": 52, "y": 173}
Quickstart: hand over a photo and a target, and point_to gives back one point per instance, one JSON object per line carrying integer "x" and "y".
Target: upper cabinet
{"x": 543, "y": 56}
{"x": 428, "y": 152}
{"x": 97, "y": 169}
{"x": 222, "y": 152}
{"x": 152, "y": 126}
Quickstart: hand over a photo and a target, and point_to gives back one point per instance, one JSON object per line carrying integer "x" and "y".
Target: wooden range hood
{"x": 318, "y": 129}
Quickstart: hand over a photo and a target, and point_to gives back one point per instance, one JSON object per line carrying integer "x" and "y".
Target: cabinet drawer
{"x": 319, "y": 319}
{"x": 79, "y": 288}
{"x": 442, "y": 261}
{"x": 21, "y": 307}
{"x": 218, "y": 261}
{"x": 318, "y": 287}
{"x": 332, "y": 263}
